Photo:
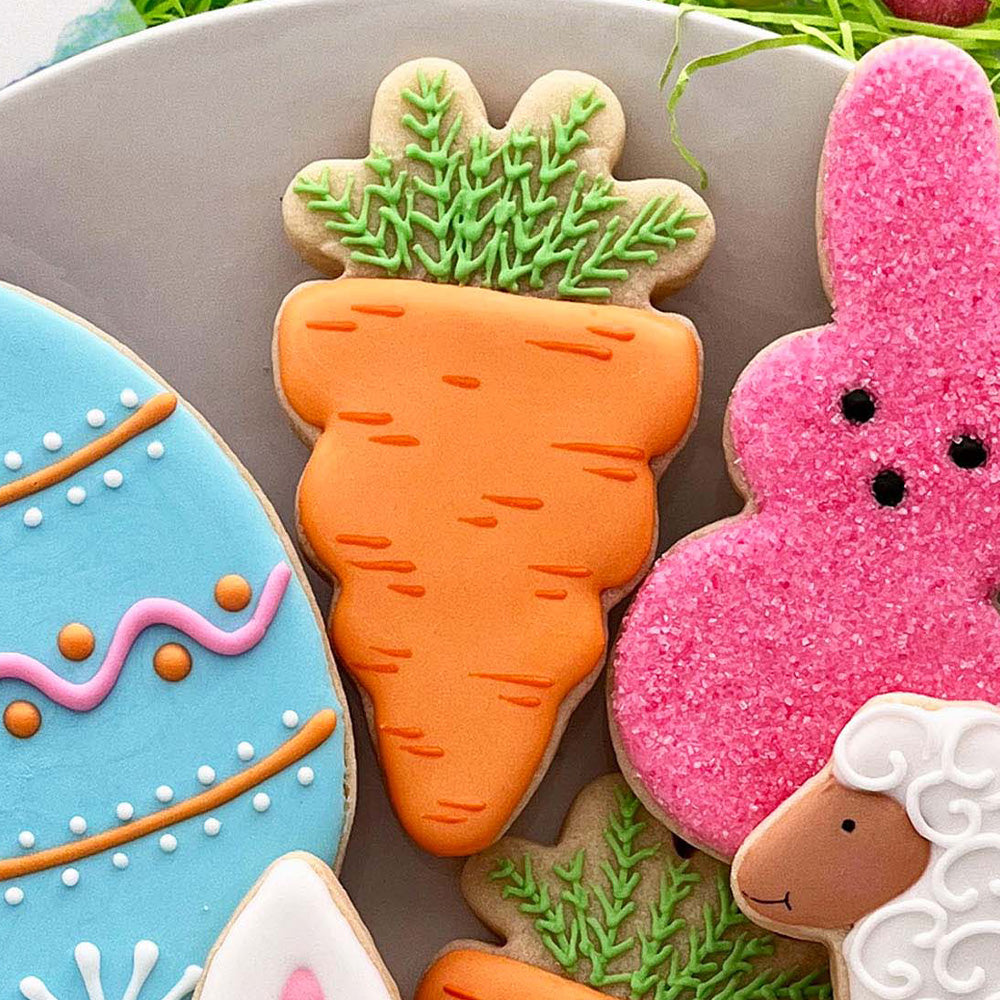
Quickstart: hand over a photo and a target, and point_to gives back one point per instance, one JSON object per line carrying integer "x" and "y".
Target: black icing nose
{"x": 888, "y": 488}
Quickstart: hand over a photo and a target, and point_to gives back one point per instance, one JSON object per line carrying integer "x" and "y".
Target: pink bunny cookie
{"x": 868, "y": 555}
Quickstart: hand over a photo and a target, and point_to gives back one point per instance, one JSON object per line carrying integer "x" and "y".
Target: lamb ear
{"x": 909, "y": 189}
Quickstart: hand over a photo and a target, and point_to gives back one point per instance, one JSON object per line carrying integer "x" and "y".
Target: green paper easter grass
{"x": 621, "y": 906}
{"x": 155, "y": 12}
{"x": 847, "y": 28}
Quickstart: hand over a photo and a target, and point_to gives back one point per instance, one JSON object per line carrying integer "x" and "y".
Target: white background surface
{"x": 140, "y": 184}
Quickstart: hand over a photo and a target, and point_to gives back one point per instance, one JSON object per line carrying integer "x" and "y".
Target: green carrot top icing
{"x": 526, "y": 209}
{"x": 622, "y": 906}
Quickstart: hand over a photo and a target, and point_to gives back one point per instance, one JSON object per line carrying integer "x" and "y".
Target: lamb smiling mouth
{"x": 784, "y": 901}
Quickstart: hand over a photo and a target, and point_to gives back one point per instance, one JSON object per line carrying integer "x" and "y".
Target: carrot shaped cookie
{"x": 482, "y": 481}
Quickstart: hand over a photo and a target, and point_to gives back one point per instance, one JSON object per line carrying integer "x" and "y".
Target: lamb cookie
{"x": 296, "y": 936}
{"x": 891, "y": 854}
{"x": 867, "y": 450}
{"x": 482, "y": 483}
{"x": 172, "y": 718}
{"x": 626, "y": 908}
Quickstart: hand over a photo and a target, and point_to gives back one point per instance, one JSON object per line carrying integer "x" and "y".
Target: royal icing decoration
{"x": 869, "y": 453}
{"x": 522, "y": 436}
{"x": 129, "y": 671}
{"x": 906, "y": 822}
{"x": 296, "y": 937}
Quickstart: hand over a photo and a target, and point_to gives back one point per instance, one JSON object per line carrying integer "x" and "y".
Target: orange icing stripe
{"x": 154, "y": 411}
{"x": 424, "y": 751}
{"x": 393, "y": 312}
{"x": 401, "y": 440}
{"x": 522, "y": 702}
{"x": 576, "y": 572}
{"x": 611, "y": 450}
{"x": 343, "y": 325}
{"x": 365, "y": 418}
{"x": 365, "y": 541}
{"x": 375, "y": 668}
{"x": 454, "y": 991}
{"x": 403, "y": 654}
{"x": 385, "y": 565}
{"x": 312, "y": 735}
{"x": 599, "y": 353}
{"x": 522, "y": 503}
{"x": 622, "y": 475}
{"x": 405, "y": 732}
{"x": 448, "y": 820}
{"x": 472, "y": 807}
{"x": 528, "y": 680}
{"x": 591, "y": 534}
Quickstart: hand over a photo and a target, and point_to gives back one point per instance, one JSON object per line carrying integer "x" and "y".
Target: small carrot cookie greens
{"x": 623, "y": 906}
{"x": 490, "y": 399}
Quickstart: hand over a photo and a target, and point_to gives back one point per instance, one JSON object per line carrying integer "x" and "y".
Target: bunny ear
{"x": 296, "y": 937}
{"x": 910, "y": 187}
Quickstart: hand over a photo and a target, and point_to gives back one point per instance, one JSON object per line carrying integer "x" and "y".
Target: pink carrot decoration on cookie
{"x": 869, "y": 453}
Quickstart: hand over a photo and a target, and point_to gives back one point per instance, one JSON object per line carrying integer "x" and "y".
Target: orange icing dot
{"x": 22, "y": 719}
{"x": 75, "y": 641}
{"x": 172, "y": 662}
{"x": 232, "y": 592}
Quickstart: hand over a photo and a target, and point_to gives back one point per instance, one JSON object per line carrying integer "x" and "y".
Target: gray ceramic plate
{"x": 139, "y": 187}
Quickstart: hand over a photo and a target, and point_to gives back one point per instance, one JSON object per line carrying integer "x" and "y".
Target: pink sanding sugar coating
{"x": 748, "y": 648}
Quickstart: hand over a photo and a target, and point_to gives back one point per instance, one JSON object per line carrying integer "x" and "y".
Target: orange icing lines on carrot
{"x": 341, "y": 325}
{"x": 404, "y": 732}
{"x": 433, "y": 752}
{"x": 528, "y": 680}
{"x": 611, "y": 450}
{"x": 312, "y": 735}
{"x": 454, "y": 991}
{"x": 393, "y": 312}
{"x": 410, "y": 590}
{"x": 400, "y": 440}
{"x": 480, "y": 522}
{"x": 448, "y": 820}
{"x": 154, "y": 411}
{"x": 355, "y": 417}
{"x": 462, "y": 381}
{"x": 621, "y": 475}
{"x": 365, "y": 541}
{"x": 375, "y": 668}
{"x": 521, "y": 503}
{"x": 403, "y": 654}
{"x": 384, "y": 565}
{"x": 472, "y": 807}
{"x": 565, "y": 347}
{"x": 522, "y": 701}
{"x": 604, "y": 331}
{"x": 551, "y": 595}
{"x": 574, "y": 572}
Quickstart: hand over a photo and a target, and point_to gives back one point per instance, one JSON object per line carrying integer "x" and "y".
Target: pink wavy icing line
{"x": 142, "y": 615}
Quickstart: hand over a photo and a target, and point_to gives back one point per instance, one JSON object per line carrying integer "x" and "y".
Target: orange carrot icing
{"x": 481, "y": 975}
{"x": 495, "y": 517}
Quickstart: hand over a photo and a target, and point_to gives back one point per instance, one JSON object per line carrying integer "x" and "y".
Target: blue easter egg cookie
{"x": 172, "y": 717}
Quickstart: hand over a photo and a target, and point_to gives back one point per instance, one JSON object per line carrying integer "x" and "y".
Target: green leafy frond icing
{"x": 503, "y": 217}
{"x": 668, "y": 957}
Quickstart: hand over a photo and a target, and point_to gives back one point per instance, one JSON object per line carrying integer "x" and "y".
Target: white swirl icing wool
{"x": 941, "y": 937}
{"x": 296, "y": 937}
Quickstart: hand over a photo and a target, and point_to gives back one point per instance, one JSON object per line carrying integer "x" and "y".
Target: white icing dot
{"x": 78, "y": 825}
{"x": 164, "y": 794}
{"x": 52, "y": 441}
{"x": 120, "y": 860}
{"x": 168, "y": 843}
{"x": 33, "y": 517}
{"x": 96, "y": 418}
{"x": 13, "y": 460}
{"x": 245, "y": 751}
{"x": 306, "y": 776}
{"x": 206, "y": 774}
{"x": 14, "y": 896}
{"x": 113, "y": 479}
{"x": 76, "y": 495}
{"x": 155, "y": 449}
{"x": 289, "y": 719}
{"x": 129, "y": 398}
{"x": 261, "y": 802}
{"x": 26, "y": 839}
{"x": 125, "y": 811}
{"x": 70, "y": 877}
{"x": 212, "y": 827}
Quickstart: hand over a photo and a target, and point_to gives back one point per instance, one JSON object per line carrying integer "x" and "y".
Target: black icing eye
{"x": 848, "y": 826}
{"x": 967, "y": 452}
{"x": 858, "y": 406}
{"x": 888, "y": 488}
